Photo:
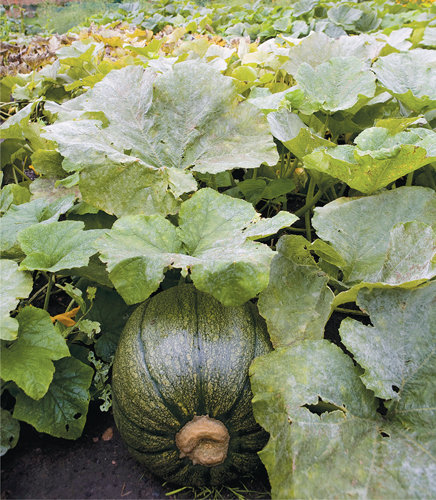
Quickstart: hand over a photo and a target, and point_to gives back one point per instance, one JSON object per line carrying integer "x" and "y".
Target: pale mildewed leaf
{"x": 401, "y": 342}
{"x": 136, "y": 127}
{"x": 15, "y": 285}
{"x": 326, "y": 438}
{"x": 19, "y": 217}
{"x": 378, "y": 158}
{"x": 318, "y": 48}
{"x": 338, "y": 84}
{"x": 410, "y": 77}
{"x": 370, "y": 246}
{"x": 296, "y": 304}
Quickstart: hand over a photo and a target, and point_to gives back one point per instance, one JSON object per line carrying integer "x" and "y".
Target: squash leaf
{"x": 28, "y": 361}
{"x": 13, "y": 127}
{"x": 62, "y": 411}
{"x": 295, "y": 135}
{"x": 213, "y": 242}
{"x": 378, "y": 158}
{"x": 19, "y": 217}
{"x": 387, "y": 248}
{"x": 15, "y": 285}
{"x": 9, "y": 431}
{"x": 339, "y": 84}
{"x": 13, "y": 194}
{"x": 410, "y": 77}
{"x": 323, "y": 425}
{"x": 296, "y": 304}
{"x": 111, "y": 312}
{"x": 403, "y": 323}
{"x": 318, "y": 48}
{"x": 57, "y": 245}
{"x": 145, "y": 125}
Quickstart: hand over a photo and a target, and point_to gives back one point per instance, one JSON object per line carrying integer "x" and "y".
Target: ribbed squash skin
{"x": 183, "y": 354}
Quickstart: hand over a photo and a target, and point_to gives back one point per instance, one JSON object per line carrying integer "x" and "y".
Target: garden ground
{"x": 91, "y": 467}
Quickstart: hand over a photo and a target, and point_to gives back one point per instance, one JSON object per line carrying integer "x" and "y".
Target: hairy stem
{"x": 51, "y": 280}
{"x": 343, "y": 310}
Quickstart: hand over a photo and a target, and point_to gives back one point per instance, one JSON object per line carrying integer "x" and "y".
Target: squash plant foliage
{"x": 287, "y": 159}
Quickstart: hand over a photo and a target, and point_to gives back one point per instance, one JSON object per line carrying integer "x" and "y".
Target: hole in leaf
{"x": 395, "y": 388}
{"x": 382, "y": 408}
{"x": 322, "y": 407}
{"x": 77, "y": 415}
{"x": 384, "y": 434}
{"x": 67, "y": 427}
{"x": 238, "y": 174}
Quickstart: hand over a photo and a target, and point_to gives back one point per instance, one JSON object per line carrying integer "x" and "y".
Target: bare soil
{"x": 42, "y": 466}
{"x": 45, "y": 467}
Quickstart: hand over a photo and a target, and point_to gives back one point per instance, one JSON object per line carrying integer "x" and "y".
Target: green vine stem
{"x": 37, "y": 293}
{"x": 288, "y": 172}
{"x": 21, "y": 172}
{"x": 293, "y": 167}
{"x": 14, "y": 174}
{"x": 309, "y": 202}
{"x": 409, "y": 179}
{"x": 297, "y": 229}
{"x": 282, "y": 164}
{"x": 429, "y": 176}
{"x": 343, "y": 310}
{"x": 50, "y": 282}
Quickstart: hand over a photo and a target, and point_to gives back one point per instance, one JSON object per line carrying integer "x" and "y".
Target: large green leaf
{"x": 429, "y": 38}
{"x": 13, "y": 194}
{"x": 28, "y": 361}
{"x": 9, "y": 431}
{"x": 137, "y": 250}
{"x": 326, "y": 438}
{"x": 13, "y": 127}
{"x": 296, "y": 304}
{"x": 15, "y": 285}
{"x": 318, "y": 48}
{"x": 57, "y": 245}
{"x": 19, "y": 217}
{"x": 410, "y": 77}
{"x": 62, "y": 411}
{"x": 262, "y": 228}
{"x": 400, "y": 345}
{"x": 213, "y": 241}
{"x": 338, "y": 84}
{"x": 409, "y": 261}
{"x": 394, "y": 246}
{"x": 154, "y": 124}
{"x": 378, "y": 158}
{"x": 290, "y": 129}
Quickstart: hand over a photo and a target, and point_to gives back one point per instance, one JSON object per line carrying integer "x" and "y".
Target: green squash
{"x": 181, "y": 390}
